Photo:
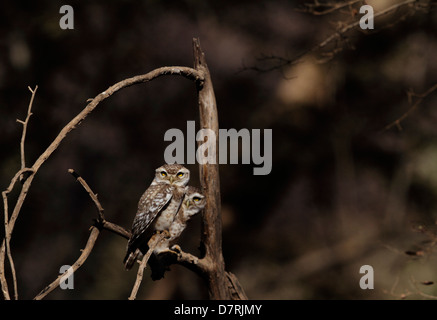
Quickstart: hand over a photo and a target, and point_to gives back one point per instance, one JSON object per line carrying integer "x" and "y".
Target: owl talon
{"x": 177, "y": 249}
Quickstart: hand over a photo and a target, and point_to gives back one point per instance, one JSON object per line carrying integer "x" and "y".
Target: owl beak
{"x": 171, "y": 179}
{"x": 188, "y": 203}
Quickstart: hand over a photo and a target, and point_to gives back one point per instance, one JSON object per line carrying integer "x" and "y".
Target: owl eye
{"x": 180, "y": 174}
{"x": 196, "y": 199}
{"x": 163, "y": 174}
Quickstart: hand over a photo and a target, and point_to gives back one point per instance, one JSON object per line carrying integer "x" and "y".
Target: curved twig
{"x": 79, "y": 262}
{"x": 420, "y": 98}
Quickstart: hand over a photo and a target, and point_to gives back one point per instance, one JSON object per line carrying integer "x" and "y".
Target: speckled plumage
{"x": 157, "y": 208}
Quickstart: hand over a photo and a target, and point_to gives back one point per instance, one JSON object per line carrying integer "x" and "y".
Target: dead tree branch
{"x": 211, "y": 267}
{"x": 211, "y": 244}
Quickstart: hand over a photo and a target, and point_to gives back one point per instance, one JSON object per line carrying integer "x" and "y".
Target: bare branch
{"x": 92, "y": 195}
{"x": 25, "y": 124}
{"x": 114, "y": 228}
{"x": 339, "y": 33}
{"x": 79, "y": 262}
{"x": 277, "y": 63}
{"x": 413, "y": 107}
{"x": 6, "y": 248}
{"x": 317, "y": 8}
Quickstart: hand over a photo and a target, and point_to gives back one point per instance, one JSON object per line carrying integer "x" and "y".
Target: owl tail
{"x": 130, "y": 259}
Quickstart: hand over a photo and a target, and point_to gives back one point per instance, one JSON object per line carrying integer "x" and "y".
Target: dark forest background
{"x": 343, "y": 192}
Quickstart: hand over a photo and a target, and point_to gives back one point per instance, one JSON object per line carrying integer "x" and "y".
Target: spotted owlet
{"x": 157, "y": 208}
{"x": 193, "y": 202}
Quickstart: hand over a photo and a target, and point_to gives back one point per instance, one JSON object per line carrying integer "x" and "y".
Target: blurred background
{"x": 343, "y": 192}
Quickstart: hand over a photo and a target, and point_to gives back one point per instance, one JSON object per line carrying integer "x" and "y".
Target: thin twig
{"x": 101, "y": 222}
{"x": 79, "y": 262}
{"x": 25, "y": 124}
{"x": 92, "y": 195}
{"x": 339, "y": 34}
{"x": 419, "y": 291}
{"x": 420, "y": 99}
{"x": 153, "y": 242}
{"x": 408, "y": 293}
{"x": 114, "y": 228}
{"x": 6, "y": 248}
{"x": 312, "y": 8}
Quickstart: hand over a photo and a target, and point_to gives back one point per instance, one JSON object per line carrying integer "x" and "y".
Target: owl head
{"x": 174, "y": 174}
{"x": 194, "y": 201}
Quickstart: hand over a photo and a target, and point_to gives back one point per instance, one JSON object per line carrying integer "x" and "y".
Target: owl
{"x": 193, "y": 202}
{"x": 157, "y": 208}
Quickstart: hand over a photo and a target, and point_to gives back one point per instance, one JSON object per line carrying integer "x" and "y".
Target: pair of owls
{"x": 167, "y": 204}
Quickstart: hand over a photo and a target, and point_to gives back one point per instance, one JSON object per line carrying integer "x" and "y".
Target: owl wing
{"x": 152, "y": 202}
{"x": 150, "y": 205}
